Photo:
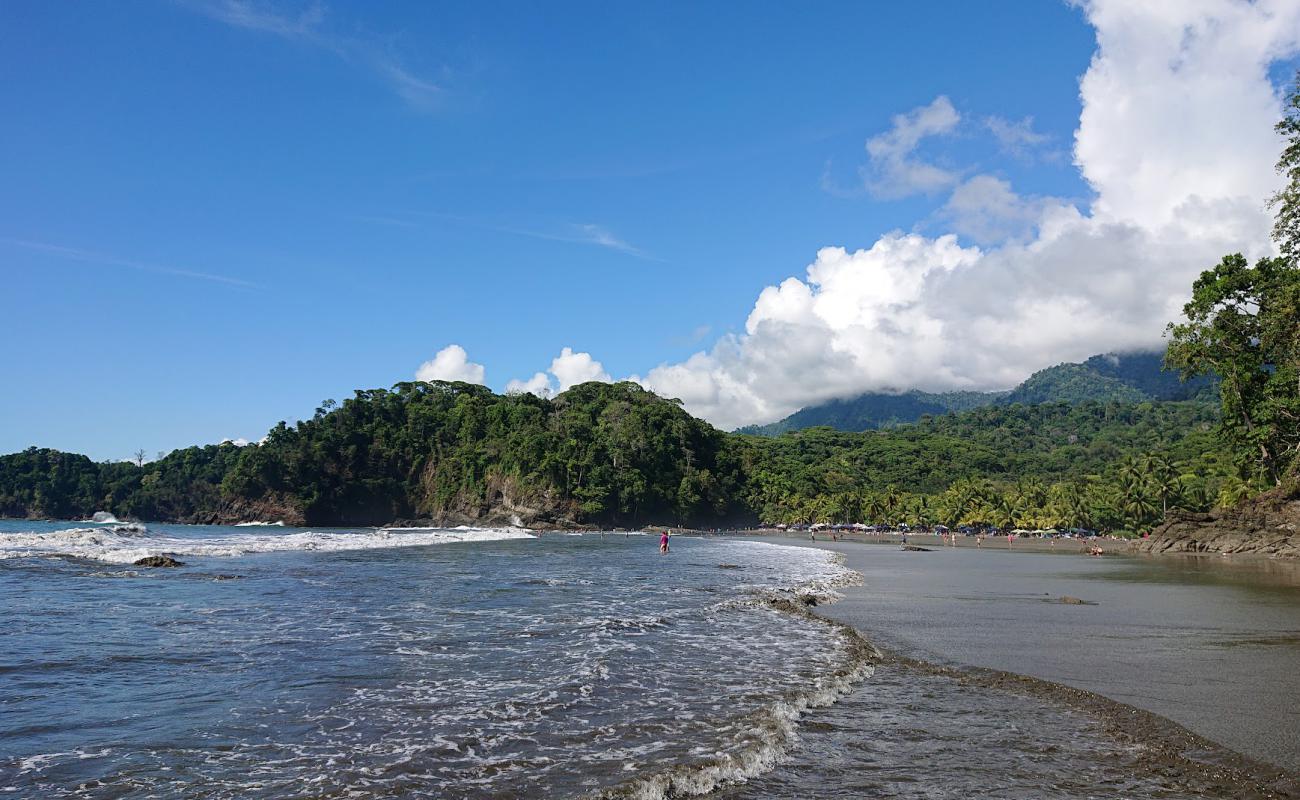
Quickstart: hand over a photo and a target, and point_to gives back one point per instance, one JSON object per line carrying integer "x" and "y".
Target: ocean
{"x": 363, "y": 663}
{"x": 473, "y": 663}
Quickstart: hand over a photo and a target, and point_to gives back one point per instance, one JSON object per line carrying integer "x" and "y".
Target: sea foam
{"x": 125, "y": 544}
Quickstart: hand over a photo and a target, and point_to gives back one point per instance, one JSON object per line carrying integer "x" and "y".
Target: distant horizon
{"x": 220, "y": 212}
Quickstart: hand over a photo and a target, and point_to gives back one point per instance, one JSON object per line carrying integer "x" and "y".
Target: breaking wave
{"x": 756, "y": 742}
{"x": 127, "y": 543}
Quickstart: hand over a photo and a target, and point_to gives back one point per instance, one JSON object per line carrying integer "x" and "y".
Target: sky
{"x": 216, "y": 214}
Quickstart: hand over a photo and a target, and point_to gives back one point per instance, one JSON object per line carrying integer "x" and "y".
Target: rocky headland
{"x": 1266, "y": 525}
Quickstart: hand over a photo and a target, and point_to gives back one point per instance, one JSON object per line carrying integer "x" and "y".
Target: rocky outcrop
{"x": 1266, "y": 525}
{"x": 506, "y": 500}
{"x": 158, "y": 561}
{"x": 231, "y": 511}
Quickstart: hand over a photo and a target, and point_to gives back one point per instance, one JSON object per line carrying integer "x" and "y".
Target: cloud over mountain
{"x": 1176, "y": 140}
{"x": 451, "y": 363}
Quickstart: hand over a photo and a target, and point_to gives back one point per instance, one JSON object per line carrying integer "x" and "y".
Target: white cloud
{"x": 570, "y": 369}
{"x": 539, "y": 384}
{"x": 1018, "y": 138}
{"x": 986, "y": 210}
{"x": 1175, "y": 137}
{"x": 895, "y": 171}
{"x": 450, "y": 364}
{"x": 567, "y": 369}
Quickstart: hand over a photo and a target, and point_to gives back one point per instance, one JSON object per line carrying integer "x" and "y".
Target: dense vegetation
{"x": 616, "y": 454}
{"x": 607, "y": 453}
{"x": 999, "y": 466}
{"x": 1123, "y": 378}
{"x": 875, "y": 410}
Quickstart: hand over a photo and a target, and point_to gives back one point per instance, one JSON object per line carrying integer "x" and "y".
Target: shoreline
{"x": 1165, "y": 746}
{"x": 1125, "y": 548}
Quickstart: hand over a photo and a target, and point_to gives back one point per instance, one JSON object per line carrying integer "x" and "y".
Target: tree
{"x": 1242, "y": 325}
{"x": 139, "y": 457}
{"x": 1163, "y": 480}
{"x": 1286, "y": 223}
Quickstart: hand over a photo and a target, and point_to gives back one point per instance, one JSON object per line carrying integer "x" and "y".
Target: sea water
{"x": 476, "y": 663}
{"x": 281, "y": 662}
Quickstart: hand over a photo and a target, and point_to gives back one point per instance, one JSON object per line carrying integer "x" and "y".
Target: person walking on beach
{"x": 663, "y": 542}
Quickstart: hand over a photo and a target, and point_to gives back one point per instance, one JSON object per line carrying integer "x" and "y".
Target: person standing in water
{"x": 663, "y": 542}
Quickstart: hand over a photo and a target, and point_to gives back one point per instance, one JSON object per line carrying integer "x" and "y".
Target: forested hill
{"x": 451, "y": 452}
{"x": 1123, "y": 378}
{"x": 617, "y": 455}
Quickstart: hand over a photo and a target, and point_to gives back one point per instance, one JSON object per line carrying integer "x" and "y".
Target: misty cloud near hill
{"x": 1176, "y": 140}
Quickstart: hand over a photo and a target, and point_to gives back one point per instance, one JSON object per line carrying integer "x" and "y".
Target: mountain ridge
{"x": 1130, "y": 377}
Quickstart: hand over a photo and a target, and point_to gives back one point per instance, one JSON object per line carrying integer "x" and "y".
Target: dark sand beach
{"x": 1209, "y": 645}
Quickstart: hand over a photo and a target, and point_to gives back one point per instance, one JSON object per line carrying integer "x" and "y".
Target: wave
{"x": 126, "y": 544}
{"x": 766, "y": 735}
{"x": 277, "y": 524}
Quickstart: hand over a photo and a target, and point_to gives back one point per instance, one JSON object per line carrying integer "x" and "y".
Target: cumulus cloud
{"x": 567, "y": 369}
{"x": 450, "y": 364}
{"x": 894, "y": 169}
{"x": 1175, "y": 138}
{"x": 985, "y": 209}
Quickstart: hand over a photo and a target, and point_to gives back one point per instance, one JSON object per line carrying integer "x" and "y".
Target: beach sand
{"x": 1174, "y": 654}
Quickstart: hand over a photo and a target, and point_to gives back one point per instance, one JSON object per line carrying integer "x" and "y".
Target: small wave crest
{"x": 763, "y": 737}
{"x": 126, "y": 544}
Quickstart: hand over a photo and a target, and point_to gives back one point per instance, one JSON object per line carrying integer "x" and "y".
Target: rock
{"x": 158, "y": 561}
{"x": 1263, "y": 525}
{"x": 728, "y": 566}
{"x": 808, "y": 600}
{"x": 1071, "y": 601}
{"x": 915, "y": 548}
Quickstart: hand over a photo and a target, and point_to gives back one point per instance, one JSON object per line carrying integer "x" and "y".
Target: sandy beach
{"x": 1210, "y": 647}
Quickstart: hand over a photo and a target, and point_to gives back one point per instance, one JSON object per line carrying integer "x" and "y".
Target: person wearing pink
{"x": 663, "y": 543}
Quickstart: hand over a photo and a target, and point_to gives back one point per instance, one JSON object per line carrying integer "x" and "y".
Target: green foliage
{"x": 611, "y": 453}
{"x": 1051, "y": 465}
{"x": 1243, "y": 323}
{"x": 1123, "y": 378}
{"x": 1286, "y": 224}
{"x": 875, "y": 410}
{"x": 1073, "y": 383}
{"x": 180, "y": 486}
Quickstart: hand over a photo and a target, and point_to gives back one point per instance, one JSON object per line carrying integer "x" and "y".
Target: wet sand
{"x": 930, "y": 540}
{"x": 1211, "y": 646}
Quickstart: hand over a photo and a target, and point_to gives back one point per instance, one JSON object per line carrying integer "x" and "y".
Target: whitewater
{"x": 417, "y": 662}
{"x": 126, "y": 543}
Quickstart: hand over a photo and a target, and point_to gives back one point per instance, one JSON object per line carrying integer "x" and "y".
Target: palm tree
{"x": 1005, "y": 512}
{"x": 1234, "y": 490}
{"x": 893, "y": 498}
{"x": 873, "y": 507}
{"x": 921, "y": 511}
{"x": 1130, "y": 469}
{"x": 1138, "y": 507}
{"x": 1163, "y": 480}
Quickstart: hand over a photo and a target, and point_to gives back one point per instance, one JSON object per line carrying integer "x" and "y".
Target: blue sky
{"x": 215, "y": 215}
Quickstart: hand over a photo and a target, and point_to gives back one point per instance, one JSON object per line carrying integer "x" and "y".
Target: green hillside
{"x": 1120, "y": 378}
{"x": 615, "y": 454}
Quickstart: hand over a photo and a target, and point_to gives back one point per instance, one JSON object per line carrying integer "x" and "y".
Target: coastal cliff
{"x": 1266, "y": 525}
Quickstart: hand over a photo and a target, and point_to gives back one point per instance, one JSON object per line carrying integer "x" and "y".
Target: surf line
{"x": 776, "y": 724}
